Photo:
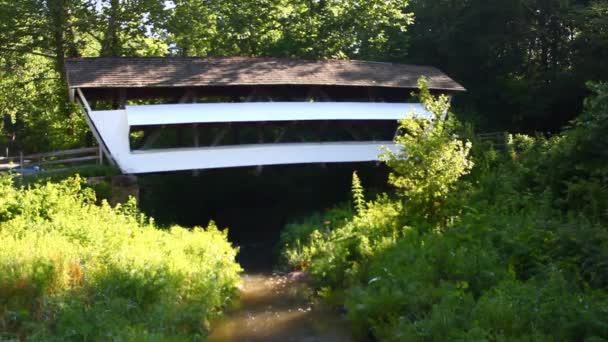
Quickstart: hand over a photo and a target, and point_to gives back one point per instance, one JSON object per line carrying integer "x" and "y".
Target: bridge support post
{"x": 195, "y": 173}
{"x": 100, "y": 151}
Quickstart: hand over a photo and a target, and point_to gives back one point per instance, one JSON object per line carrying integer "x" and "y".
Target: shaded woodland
{"x": 524, "y": 62}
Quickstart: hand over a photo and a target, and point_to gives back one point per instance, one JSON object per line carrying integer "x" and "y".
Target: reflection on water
{"x": 278, "y": 308}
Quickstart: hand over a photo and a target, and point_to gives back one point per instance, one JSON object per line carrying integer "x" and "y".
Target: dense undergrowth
{"x": 74, "y": 270}
{"x": 512, "y": 248}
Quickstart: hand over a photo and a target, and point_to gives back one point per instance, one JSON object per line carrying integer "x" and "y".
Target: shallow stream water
{"x": 274, "y": 307}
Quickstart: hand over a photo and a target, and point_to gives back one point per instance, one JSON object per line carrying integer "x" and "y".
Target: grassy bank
{"x": 512, "y": 248}
{"x": 73, "y": 270}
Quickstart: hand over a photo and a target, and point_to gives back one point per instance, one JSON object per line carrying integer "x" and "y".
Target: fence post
{"x": 100, "y": 151}
{"x": 21, "y": 166}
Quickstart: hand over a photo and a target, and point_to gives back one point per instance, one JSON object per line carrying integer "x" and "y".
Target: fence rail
{"x": 498, "y": 139}
{"x": 35, "y": 162}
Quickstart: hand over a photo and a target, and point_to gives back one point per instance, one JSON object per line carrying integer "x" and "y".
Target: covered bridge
{"x": 154, "y": 114}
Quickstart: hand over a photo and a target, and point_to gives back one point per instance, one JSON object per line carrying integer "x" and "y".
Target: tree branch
{"x": 28, "y": 52}
{"x": 94, "y": 36}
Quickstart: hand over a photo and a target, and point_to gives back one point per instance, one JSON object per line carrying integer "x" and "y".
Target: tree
{"x": 34, "y": 113}
{"x": 302, "y": 28}
{"x": 524, "y": 62}
{"x": 122, "y": 28}
{"x": 35, "y": 38}
{"x": 431, "y": 157}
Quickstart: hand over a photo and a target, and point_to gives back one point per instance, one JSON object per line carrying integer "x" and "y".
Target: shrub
{"x": 70, "y": 269}
{"x": 516, "y": 250}
{"x": 297, "y": 238}
{"x": 545, "y": 307}
{"x": 332, "y": 246}
{"x": 431, "y": 157}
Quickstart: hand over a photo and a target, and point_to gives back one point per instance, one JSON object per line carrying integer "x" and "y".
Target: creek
{"x": 271, "y": 306}
{"x": 275, "y": 307}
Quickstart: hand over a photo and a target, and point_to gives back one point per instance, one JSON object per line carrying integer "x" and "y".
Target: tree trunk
{"x": 58, "y": 21}
{"x": 111, "y": 43}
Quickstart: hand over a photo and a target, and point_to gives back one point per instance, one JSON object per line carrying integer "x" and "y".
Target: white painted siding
{"x": 113, "y": 126}
{"x": 270, "y": 111}
{"x": 251, "y": 155}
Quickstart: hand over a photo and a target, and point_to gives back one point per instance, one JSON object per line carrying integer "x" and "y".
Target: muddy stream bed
{"x": 276, "y": 307}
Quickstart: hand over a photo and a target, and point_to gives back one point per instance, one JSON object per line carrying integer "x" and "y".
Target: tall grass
{"x": 72, "y": 270}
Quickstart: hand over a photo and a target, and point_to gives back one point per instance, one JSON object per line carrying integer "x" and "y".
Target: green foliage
{"x": 323, "y": 29}
{"x": 120, "y": 28}
{"x": 36, "y": 36}
{"x": 431, "y": 158}
{"x": 72, "y": 270}
{"x": 333, "y": 246}
{"x": 358, "y": 194}
{"x": 544, "y": 308}
{"x": 84, "y": 171}
{"x": 431, "y": 285}
{"x": 297, "y": 237}
{"x": 530, "y": 57}
{"x": 429, "y": 150}
{"x": 523, "y": 62}
{"x": 521, "y": 257}
{"x": 33, "y": 110}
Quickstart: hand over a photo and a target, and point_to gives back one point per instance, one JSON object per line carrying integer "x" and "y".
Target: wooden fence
{"x": 498, "y": 139}
{"x": 42, "y": 162}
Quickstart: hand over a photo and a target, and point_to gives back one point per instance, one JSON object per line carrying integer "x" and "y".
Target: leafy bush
{"x": 428, "y": 149}
{"x": 545, "y": 307}
{"x": 431, "y": 157}
{"x": 515, "y": 250}
{"x": 431, "y": 285}
{"x": 72, "y": 270}
{"x": 296, "y": 239}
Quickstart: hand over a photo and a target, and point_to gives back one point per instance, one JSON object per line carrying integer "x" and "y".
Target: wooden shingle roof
{"x": 143, "y": 72}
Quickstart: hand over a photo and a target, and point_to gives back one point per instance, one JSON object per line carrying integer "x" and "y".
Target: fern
{"x": 358, "y": 195}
